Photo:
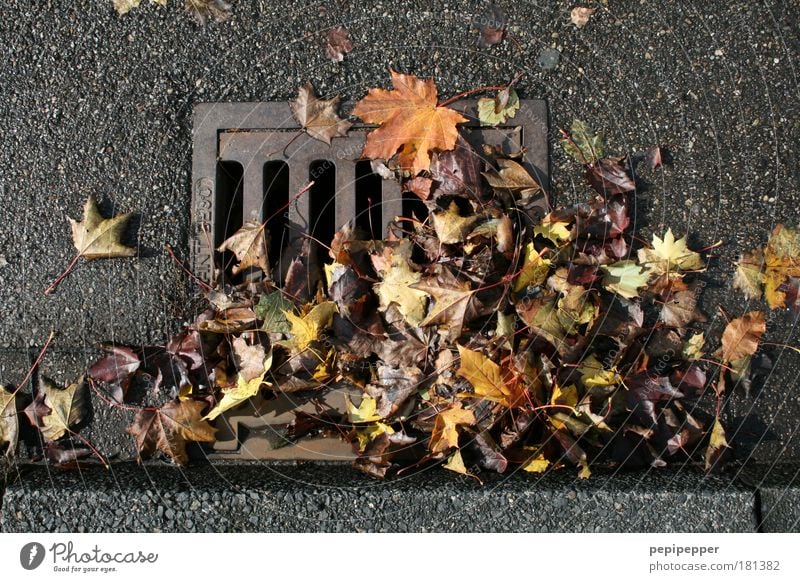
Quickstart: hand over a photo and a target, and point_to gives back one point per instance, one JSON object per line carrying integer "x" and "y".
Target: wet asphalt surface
{"x": 94, "y": 103}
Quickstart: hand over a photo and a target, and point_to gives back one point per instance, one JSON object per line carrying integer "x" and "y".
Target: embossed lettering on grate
{"x": 248, "y": 162}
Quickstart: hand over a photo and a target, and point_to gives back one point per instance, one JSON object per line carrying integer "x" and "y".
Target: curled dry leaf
{"x": 9, "y": 423}
{"x": 580, "y": 15}
{"x": 412, "y": 124}
{"x": 68, "y": 407}
{"x": 445, "y": 430}
{"x": 338, "y": 43}
{"x": 492, "y": 25}
{"x": 202, "y": 10}
{"x": 167, "y": 429}
{"x": 318, "y": 117}
{"x": 249, "y": 244}
{"x": 741, "y": 336}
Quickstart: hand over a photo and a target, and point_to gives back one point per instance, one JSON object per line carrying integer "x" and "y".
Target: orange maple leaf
{"x": 410, "y": 121}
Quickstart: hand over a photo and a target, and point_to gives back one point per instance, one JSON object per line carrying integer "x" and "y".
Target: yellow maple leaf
{"x": 364, "y": 412}
{"x": 444, "y": 435}
{"x": 247, "y": 385}
{"x": 411, "y": 122}
{"x": 451, "y": 228}
{"x": 670, "y": 256}
{"x": 308, "y": 328}
{"x": 536, "y": 465}
{"x": 486, "y": 377}
{"x": 553, "y": 230}
{"x": 535, "y": 269}
{"x": 396, "y": 286}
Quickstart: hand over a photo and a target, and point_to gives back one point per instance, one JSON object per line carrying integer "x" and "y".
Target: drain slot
{"x": 369, "y": 199}
{"x": 322, "y": 206}
{"x": 274, "y": 208}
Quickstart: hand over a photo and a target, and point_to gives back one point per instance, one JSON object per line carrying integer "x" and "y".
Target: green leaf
{"x": 585, "y": 146}
{"x": 625, "y": 278}
{"x": 271, "y": 308}
{"x": 499, "y": 109}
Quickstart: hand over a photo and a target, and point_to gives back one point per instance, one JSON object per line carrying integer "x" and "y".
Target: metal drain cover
{"x": 248, "y": 160}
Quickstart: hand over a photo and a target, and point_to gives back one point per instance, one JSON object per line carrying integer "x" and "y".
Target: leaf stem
{"x": 464, "y": 94}
{"x": 62, "y": 276}
{"x": 85, "y": 441}
{"x": 186, "y": 270}
{"x": 36, "y": 362}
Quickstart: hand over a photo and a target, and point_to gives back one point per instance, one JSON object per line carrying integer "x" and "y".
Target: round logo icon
{"x": 31, "y": 555}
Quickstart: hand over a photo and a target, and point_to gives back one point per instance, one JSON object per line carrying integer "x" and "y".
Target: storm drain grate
{"x": 248, "y": 162}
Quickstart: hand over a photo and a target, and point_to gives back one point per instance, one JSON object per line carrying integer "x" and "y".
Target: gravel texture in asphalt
{"x": 330, "y": 498}
{"x": 91, "y": 103}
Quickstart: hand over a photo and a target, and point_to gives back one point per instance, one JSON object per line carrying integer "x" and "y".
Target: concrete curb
{"x": 334, "y": 498}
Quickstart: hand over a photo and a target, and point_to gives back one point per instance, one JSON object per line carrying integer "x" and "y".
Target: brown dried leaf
{"x": 249, "y": 244}
{"x": 168, "y": 428}
{"x": 318, "y": 117}
{"x": 338, "y": 43}
{"x": 741, "y": 336}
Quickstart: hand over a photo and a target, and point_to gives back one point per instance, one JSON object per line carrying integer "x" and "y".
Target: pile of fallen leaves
{"x": 486, "y": 336}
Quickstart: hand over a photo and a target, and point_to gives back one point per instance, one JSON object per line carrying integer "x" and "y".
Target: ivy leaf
{"x": 202, "y": 10}
{"x": 499, "y": 109}
{"x": 338, "y": 43}
{"x": 625, "y": 278}
{"x": 444, "y": 435}
{"x": 167, "y": 429}
{"x": 584, "y": 145}
{"x": 318, "y": 117}
{"x": 411, "y": 122}
{"x": 670, "y": 256}
{"x": 9, "y": 422}
{"x": 741, "y": 336}
{"x": 68, "y": 407}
